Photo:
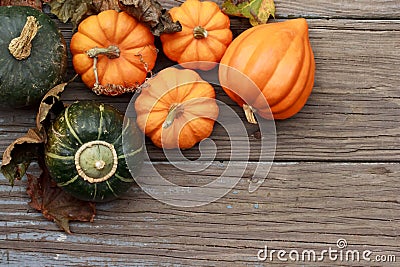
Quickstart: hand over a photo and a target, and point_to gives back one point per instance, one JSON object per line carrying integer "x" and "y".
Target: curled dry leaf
{"x": 77, "y": 10}
{"x": 50, "y": 102}
{"x": 257, "y": 11}
{"x": 55, "y": 204}
{"x": 152, "y": 14}
{"x": 18, "y": 156}
{"x": 46, "y": 197}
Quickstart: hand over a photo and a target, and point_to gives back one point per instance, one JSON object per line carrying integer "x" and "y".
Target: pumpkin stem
{"x": 20, "y": 47}
{"x": 96, "y": 161}
{"x": 249, "y": 112}
{"x": 174, "y": 111}
{"x": 111, "y": 52}
{"x": 199, "y": 32}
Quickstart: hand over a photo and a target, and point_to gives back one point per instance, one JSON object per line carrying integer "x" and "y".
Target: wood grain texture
{"x": 360, "y": 9}
{"x": 300, "y": 206}
{"x": 335, "y": 173}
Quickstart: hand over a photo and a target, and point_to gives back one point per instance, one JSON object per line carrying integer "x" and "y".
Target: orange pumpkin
{"x": 205, "y": 34}
{"x": 278, "y": 58}
{"x": 112, "y": 52}
{"x": 176, "y": 108}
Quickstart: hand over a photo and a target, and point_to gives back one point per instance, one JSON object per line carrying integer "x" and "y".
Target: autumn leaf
{"x": 52, "y": 201}
{"x": 257, "y": 11}
{"x": 18, "y": 156}
{"x": 77, "y": 10}
{"x": 151, "y": 13}
{"x": 55, "y": 204}
{"x": 50, "y": 102}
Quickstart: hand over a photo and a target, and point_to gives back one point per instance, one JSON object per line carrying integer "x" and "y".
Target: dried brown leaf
{"x": 77, "y": 10}
{"x": 151, "y": 13}
{"x": 18, "y": 156}
{"x": 55, "y": 204}
{"x": 50, "y": 102}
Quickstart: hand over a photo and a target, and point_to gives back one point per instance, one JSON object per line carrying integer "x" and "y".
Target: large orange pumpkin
{"x": 176, "y": 108}
{"x": 205, "y": 34}
{"x": 112, "y": 52}
{"x": 278, "y": 58}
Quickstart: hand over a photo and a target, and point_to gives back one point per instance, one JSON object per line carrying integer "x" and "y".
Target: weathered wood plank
{"x": 300, "y": 206}
{"x": 352, "y": 114}
{"x": 334, "y": 9}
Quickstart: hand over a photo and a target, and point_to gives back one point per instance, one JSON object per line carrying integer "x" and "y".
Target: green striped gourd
{"x": 84, "y": 152}
{"x": 33, "y": 56}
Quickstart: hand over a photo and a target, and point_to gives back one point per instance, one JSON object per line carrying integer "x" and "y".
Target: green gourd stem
{"x": 20, "y": 47}
{"x": 249, "y": 112}
{"x": 174, "y": 111}
{"x": 199, "y": 32}
{"x": 96, "y": 161}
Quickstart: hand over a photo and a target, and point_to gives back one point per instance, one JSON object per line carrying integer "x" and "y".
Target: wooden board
{"x": 300, "y": 206}
{"x": 335, "y": 173}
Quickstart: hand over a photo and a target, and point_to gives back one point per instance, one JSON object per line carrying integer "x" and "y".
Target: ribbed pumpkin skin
{"x": 183, "y": 47}
{"x": 113, "y": 28}
{"x": 278, "y": 58}
{"x": 25, "y": 82}
{"x": 91, "y": 121}
{"x": 199, "y": 109}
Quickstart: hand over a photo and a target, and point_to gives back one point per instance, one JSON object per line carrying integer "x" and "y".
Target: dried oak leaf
{"x": 257, "y": 11}
{"x": 77, "y": 10}
{"x": 46, "y": 197}
{"x": 19, "y": 154}
{"x": 50, "y": 103}
{"x": 151, "y": 13}
{"x": 55, "y": 204}
{"x": 32, "y": 3}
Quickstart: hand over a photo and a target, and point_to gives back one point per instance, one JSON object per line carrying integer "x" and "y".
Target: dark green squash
{"x": 84, "y": 152}
{"x": 28, "y": 74}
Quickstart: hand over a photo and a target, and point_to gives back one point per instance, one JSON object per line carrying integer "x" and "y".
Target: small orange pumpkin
{"x": 278, "y": 58}
{"x": 205, "y": 34}
{"x": 112, "y": 52}
{"x": 176, "y": 108}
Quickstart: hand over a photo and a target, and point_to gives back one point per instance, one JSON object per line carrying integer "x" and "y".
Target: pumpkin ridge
{"x": 111, "y": 189}
{"x": 70, "y": 127}
{"x": 272, "y": 74}
{"x": 123, "y": 179}
{"x": 132, "y": 62}
{"x": 304, "y": 96}
{"x": 205, "y": 9}
{"x": 212, "y": 47}
{"x": 94, "y": 38}
{"x": 122, "y": 132}
{"x": 126, "y": 31}
{"x": 101, "y": 109}
{"x": 295, "y": 93}
{"x": 101, "y": 71}
{"x": 219, "y": 25}
{"x": 68, "y": 182}
{"x": 187, "y": 7}
{"x": 178, "y": 47}
{"x": 109, "y": 41}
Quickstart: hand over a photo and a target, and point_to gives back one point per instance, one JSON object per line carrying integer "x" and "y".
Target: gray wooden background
{"x": 335, "y": 174}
